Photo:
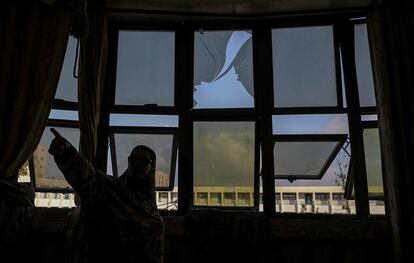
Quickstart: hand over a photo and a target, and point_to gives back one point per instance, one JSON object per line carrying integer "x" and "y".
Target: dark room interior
{"x": 282, "y": 130}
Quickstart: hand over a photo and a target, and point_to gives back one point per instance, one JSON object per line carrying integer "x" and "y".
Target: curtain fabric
{"x": 32, "y": 47}
{"x": 34, "y": 38}
{"x": 391, "y": 33}
{"x": 92, "y": 31}
{"x": 91, "y": 81}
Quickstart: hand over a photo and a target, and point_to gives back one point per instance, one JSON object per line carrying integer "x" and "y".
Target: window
{"x": 215, "y": 198}
{"x": 363, "y": 67}
{"x": 67, "y": 90}
{"x": 305, "y": 157}
{"x": 289, "y": 202}
{"x": 46, "y": 176}
{"x": 311, "y": 153}
{"x": 224, "y": 156}
{"x": 322, "y": 196}
{"x": 313, "y": 126}
{"x": 164, "y": 146}
{"x": 229, "y": 199}
{"x": 142, "y": 106}
{"x": 224, "y": 130}
{"x": 374, "y": 172}
{"x": 304, "y": 67}
{"x": 229, "y": 103}
{"x": 145, "y": 68}
{"x": 202, "y": 199}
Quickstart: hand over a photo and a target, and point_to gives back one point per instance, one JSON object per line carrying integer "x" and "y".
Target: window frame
{"x": 116, "y": 27}
{"x": 263, "y": 110}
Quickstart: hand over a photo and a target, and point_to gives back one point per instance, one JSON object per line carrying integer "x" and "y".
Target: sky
{"x": 145, "y": 62}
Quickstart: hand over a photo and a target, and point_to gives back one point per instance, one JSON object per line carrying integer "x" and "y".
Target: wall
{"x": 224, "y": 236}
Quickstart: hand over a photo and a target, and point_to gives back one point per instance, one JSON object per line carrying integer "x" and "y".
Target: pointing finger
{"x": 56, "y": 133}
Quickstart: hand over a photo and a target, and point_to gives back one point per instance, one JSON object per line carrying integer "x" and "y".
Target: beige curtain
{"x": 33, "y": 43}
{"x": 391, "y": 33}
{"x": 32, "y": 47}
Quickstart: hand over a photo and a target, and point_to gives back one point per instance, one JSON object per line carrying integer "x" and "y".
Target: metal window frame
{"x": 340, "y": 139}
{"x": 146, "y": 131}
{"x": 184, "y": 28}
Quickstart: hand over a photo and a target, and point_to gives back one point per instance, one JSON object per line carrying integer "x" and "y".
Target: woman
{"x": 121, "y": 219}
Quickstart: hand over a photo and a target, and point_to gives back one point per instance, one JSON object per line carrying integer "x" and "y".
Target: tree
{"x": 341, "y": 174}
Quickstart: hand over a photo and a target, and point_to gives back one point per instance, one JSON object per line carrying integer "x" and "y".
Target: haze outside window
{"x": 224, "y": 156}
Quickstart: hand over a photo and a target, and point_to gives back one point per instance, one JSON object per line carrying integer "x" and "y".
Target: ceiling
{"x": 233, "y": 7}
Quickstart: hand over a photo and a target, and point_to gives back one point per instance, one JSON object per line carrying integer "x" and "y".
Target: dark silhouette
{"x": 120, "y": 218}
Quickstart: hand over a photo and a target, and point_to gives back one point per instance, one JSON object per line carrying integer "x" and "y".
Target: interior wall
{"x": 217, "y": 236}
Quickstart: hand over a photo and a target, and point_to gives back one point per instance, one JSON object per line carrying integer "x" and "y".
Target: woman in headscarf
{"x": 120, "y": 216}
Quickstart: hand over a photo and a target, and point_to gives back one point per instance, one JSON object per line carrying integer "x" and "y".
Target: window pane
{"x": 374, "y": 170}
{"x": 223, "y": 70}
{"x": 64, "y": 115}
{"x": 363, "y": 67}
{"x": 162, "y": 146}
{"x": 145, "y": 68}
{"x": 310, "y": 124}
{"x": 304, "y": 67}
{"x": 47, "y": 173}
{"x": 68, "y": 86}
{"x": 303, "y": 160}
{"x": 370, "y": 117}
{"x": 224, "y": 160}
{"x": 143, "y": 120}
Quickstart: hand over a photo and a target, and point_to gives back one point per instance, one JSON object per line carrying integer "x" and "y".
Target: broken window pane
{"x": 47, "y": 173}
{"x": 145, "y": 68}
{"x": 223, "y": 69}
{"x": 224, "y": 160}
{"x": 363, "y": 67}
{"x": 374, "y": 170}
{"x": 162, "y": 144}
{"x": 304, "y": 67}
{"x": 68, "y": 85}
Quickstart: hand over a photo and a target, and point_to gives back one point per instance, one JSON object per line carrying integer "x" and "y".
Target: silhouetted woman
{"x": 120, "y": 216}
